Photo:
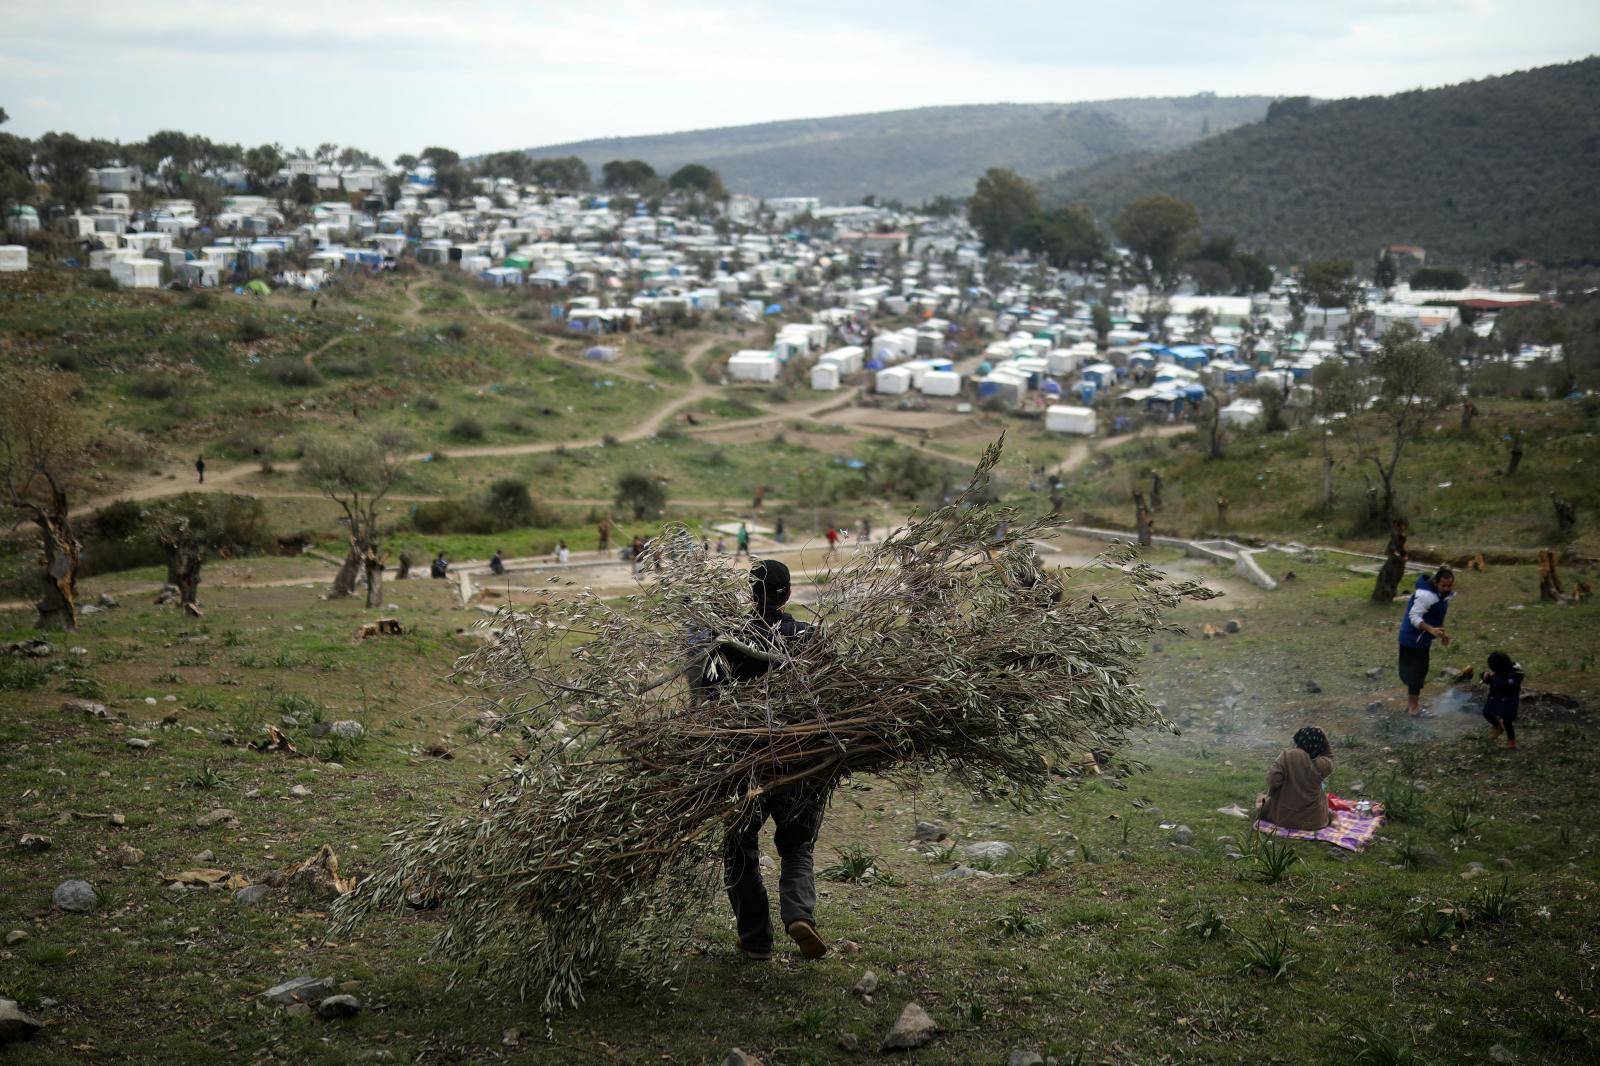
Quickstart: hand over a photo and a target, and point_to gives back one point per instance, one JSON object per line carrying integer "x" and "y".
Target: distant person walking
{"x": 1422, "y": 622}
{"x": 497, "y": 565}
{"x": 605, "y": 534}
{"x": 200, "y": 468}
{"x": 778, "y": 533}
{"x": 833, "y": 538}
{"x": 405, "y": 567}
{"x": 741, "y": 542}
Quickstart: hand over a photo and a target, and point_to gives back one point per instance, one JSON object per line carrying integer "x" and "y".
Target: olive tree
{"x": 357, "y": 473}
{"x": 1412, "y": 381}
{"x": 42, "y": 448}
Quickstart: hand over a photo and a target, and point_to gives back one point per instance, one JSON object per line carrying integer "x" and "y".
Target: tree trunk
{"x": 1468, "y": 410}
{"x": 374, "y": 577}
{"x": 1141, "y": 519}
{"x": 1516, "y": 456}
{"x": 344, "y": 582}
{"x": 1155, "y": 490}
{"x": 1549, "y": 579}
{"x": 1222, "y": 512}
{"x": 1394, "y": 566}
{"x": 1566, "y": 516}
{"x": 183, "y": 572}
{"x": 1327, "y": 481}
{"x": 58, "y": 605}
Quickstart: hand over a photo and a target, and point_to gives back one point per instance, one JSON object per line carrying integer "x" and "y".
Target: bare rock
{"x": 301, "y": 989}
{"x": 16, "y": 936}
{"x": 1025, "y": 1058}
{"x": 76, "y": 897}
{"x": 340, "y": 1006}
{"x": 867, "y": 985}
{"x": 911, "y": 1030}
{"x": 347, "y": 729}
{"x": 252, "y": 895}
{"x": 128, "y": 855}
{"x": 963, "y": 873}
{"x": 140, "y": 743}
{"x": 87, "y": 708}
{"x": 220, "y": 816}
{"x": 33, "y": 842}
{"x": 14, "y": 1024}
{"x": 991, "y": 850}
{"x": 740, "y": 1057}
{"x": 1231, "y": 626}
{"x": 928, "y": 832}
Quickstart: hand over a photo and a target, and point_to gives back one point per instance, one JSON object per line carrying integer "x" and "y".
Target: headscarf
{"x": 1312, "y": 740}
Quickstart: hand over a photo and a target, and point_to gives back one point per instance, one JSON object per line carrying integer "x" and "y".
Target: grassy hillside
{"x": 914, "y": 155}
{"x": 1464, "y": 171}
{"x": 1095, "y": 949}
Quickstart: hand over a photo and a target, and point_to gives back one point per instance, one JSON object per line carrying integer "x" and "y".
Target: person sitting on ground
{"x": 1423, "y": 621}
{"x": 497, "y": 565}
{"x": 797, "y": 811}
{"x": 1504, "y": 679}
{"x": 440, "y": 566}
{"x": 1295, "y": 798}
{"x": 405, "y": 567}
{"x": 562, "y": 554}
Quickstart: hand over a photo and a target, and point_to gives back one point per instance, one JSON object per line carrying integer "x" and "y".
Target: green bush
{"x": 159, "y": 388}
{"x": 253, "y": 329}
{"x": 21, "y": 675}
{"x": 121, "y": 535}
{"x": 200, "y": 301}
{"x": 506, "y": 504}
{"x": 467, "y": 428}
{"x": 287, "y": 370}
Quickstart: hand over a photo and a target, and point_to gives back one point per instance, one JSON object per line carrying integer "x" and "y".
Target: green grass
{"x": 1141, "y": 953}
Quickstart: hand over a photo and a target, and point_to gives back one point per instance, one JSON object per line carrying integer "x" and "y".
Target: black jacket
{"x": 768, "y": 631}
{"x": 1505, "y": 693}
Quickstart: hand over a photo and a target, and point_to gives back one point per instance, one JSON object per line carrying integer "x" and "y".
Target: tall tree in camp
{"x": 1386, "y": 272}
{"x": 64, "y": 160}
{"x": 1157, "y": 231}
{"x": 696, "y": 178}
{"x": 1330, "y": 283}
{"x": 261, "y": 166}
{"x": 406, "y": 161}
{"x": 1412, "y": 381}
{"x": 194, "y": 526}
{"x": 1067, "y": 237}
{"x": 42, "y": 446}
{"x": 16, "y": 156}
{"x": 1100, "y": 320}
{"x": 568, "y": 173}
{"x": 1001, "y": 202}
{"x": 628, "y": 175}
{"x": 437, "y": 157}
{"x": 1210, "y": 420}
{"x": 357, "y": 473}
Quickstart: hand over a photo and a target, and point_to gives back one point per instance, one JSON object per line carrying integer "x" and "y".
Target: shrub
{"x": 467, "y": 428}
{"x": 287, "y": 370}
{"x": 200, "y": 301}
{"x": 66, "y": 360}
{"x": 427, "y": 401}
{"x": 348, "y": 368}
{"x": 253, "y": 329}
{"x": 1272, "y": 955}
{"x": 154, "y": 388}
{"x": 100, "y": 279}
{"x": 641, "y": 494}
{"x": 21, "y": 675}
{"x": 455, "y": 332}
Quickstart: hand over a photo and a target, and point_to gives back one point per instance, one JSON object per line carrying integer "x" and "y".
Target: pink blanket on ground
{"x": 1348, "y": 830}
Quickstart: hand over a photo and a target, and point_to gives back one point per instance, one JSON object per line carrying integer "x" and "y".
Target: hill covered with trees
{"x": 1500, "y": 166}
{"x": 917, "y": 154}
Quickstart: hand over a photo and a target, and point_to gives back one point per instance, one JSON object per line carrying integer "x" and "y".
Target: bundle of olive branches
{"x": 947, "y": 645}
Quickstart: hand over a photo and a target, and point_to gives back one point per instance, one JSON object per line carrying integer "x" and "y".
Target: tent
{"x": 258, "y": 287}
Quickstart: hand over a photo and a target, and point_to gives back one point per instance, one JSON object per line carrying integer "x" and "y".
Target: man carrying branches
{"x": 796, "y": 812}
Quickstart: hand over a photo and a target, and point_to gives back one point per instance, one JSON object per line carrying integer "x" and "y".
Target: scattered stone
{"x": 15, "y": 937}
{"x": 1375, "y": 707}
{"x": 75, "y": 896}
{"x": 1237, "y": 686}
{"x": 1312, "y": 687}
{"x": 204, "y": 858}
{"x": 128, "y": 855}
{"x": 315, "y": 878}
{"x": 340, "y": 1006}
{"x": 299, "y": 1010}
{"x": 511, "y": 1037}
{"x": 252, "y": 895}
{"x": 1358, "y": 786}
{"x": 1473, "y": 870}
{"x": 1183, "y": 835}
{"x": 220, "y": 816}
{"x": 1503, "y": 863}
{"x": 1025, "y": 1058}
{"x": 299, "y": 791}
{"x": 108, "y": 601}
{"x": 347, "y": 729}
{"x": 928, "y": 832}
{"x": 1501, "y": 1053}
{"x": 1374, "y": 672}
{"x": 867, "y": 985}
{"x": 289, "y": 721}
{"x": 739, "y": 1057}
{"x": 140, "y": 743}
{"x": 849, "y": 1042}
{"x": 33, "y": 842}
{"x": 14, "y": 1024}
{"x": 1232, "y": 626}
{"x": 301, "y": 989}
{"x": 1186, "y": 849}
{"x": 77, "y": 651}
{"x": 87, "y": 708}
{"x": 992, "y": 850}
{"x": 849, "y": 947}
{"x": 911, "y": 1030}
{"x": 962, "y": 872}
{"x": 34, "y": 649}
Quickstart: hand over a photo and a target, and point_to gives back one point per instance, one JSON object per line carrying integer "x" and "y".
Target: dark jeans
{"x": 1413, "y": 668}
{"x": 1500, "y": 718}
{"x": 798, "y": 817}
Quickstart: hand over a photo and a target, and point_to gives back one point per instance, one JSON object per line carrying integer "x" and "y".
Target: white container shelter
{"x": 1063, "y": 418}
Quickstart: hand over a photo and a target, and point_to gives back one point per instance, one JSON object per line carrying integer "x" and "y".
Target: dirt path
{"x": 312, "y": 355}
{"x": 1081, "y": 451}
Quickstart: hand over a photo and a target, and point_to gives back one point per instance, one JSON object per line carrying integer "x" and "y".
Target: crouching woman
{"x": 1295, "y": 797}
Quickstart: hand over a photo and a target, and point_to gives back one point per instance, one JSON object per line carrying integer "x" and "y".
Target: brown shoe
{"x": 753, "y": 956}
{"x": 804, "y": 934}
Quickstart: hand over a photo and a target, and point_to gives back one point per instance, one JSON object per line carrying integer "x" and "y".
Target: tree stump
{"x": 1394, "y": 565}
{"x": 1549, "y": 577}
{"x": 1566, "y": 516}
{"x": 1142, "y": 520}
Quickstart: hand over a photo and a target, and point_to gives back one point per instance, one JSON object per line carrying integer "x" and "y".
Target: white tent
{"x": 825, "y": 377}
{"x": 893, "y": 380}
{"x": 1241, "y": 413}
{"x": 1061, "y": 418}
{"x": 13, "y": 257}
{"x": 940, "y": 383}
{"x": 753, "y": 366}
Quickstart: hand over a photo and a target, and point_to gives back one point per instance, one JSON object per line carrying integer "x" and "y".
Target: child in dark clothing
{"x": 1505, "y": 693}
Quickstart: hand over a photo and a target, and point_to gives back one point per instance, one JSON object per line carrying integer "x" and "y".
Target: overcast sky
{"x": 391, "y": 76}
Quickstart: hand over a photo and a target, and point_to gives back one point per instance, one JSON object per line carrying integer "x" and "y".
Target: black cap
{"x": 770, "y": 580}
